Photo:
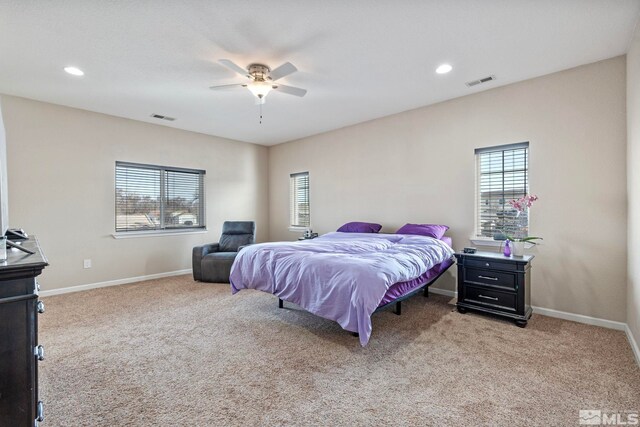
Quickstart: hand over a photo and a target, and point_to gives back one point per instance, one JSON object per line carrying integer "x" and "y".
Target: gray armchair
{"x": 212, "y": 262}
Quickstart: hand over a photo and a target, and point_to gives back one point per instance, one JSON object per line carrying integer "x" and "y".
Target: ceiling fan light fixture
{"x": 262, "y": 79}
{"x": 260, "y": 89}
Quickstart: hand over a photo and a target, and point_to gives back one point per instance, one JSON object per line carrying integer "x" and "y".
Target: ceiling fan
{"x": 262, "y": 78}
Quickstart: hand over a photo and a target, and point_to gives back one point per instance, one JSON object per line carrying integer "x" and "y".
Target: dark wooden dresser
{"x": 19, "y": 349}
{"x": 492, "y": 283}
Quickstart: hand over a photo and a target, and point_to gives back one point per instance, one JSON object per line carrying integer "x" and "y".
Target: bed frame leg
{"x": 426, "y": 292}
{"x": 280, "y": 303}
{"x": 398, "y": 309}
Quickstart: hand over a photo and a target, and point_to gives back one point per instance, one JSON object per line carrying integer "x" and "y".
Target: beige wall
{"x": 61, "y": 179}
{"x": 633, "y": 185}
{"x": 418, "y": 166}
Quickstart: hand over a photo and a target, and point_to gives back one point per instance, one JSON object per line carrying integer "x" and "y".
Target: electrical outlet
{"x": 87, "y": 263}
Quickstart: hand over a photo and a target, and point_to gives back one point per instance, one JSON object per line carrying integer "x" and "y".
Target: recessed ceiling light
{"x": 444, "y": 69}
{"x": 74, "y": 71}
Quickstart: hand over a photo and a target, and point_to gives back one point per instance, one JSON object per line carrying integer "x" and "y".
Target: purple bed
{"x": 344, "y": 277}
{"x": 402, "y": 289}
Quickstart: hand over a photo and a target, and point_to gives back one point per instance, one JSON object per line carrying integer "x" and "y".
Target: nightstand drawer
{"x": 488, "y": 277}
{"x": 490, "y": 298}
{"x": 489, "y": 263}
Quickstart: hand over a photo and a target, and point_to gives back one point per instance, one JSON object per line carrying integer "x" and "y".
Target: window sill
{"x": 494, "y": 243}
{"x": 156, "y": 233}
{"x": 298, "y": 229}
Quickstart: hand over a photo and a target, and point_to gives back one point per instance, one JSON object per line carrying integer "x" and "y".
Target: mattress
{"x": 338, "y": 276}
{"x": 398, "y": 290}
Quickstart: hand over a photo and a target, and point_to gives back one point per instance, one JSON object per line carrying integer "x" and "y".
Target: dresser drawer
{"x": 493, "y": 278}
{"x": 489, "y": 263}
{"x": 490, "y": 298}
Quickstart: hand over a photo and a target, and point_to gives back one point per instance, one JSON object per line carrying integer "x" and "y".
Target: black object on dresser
{"x": 493, "y": 283}
{"x": 19, "y": 349}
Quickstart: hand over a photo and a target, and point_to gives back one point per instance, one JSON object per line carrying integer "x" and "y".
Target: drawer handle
{"x": 39, "y": 352}
{"x": 40, "y": 307}
{"x": 486, "y": 297}
{"x": 488, "y": 278}
{"x": 40, "y": 412}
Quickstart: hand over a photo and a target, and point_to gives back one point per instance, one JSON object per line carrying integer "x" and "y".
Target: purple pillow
{"x": 430, "y": 230}
{"x": 360, "y": 227}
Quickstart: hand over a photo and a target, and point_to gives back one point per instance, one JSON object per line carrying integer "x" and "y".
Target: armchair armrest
{"x": 196, "y": 259}
{"x": 206, "y": 249}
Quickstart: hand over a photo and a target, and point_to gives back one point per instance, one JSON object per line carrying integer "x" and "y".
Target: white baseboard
{"x": 634, "y": 344}
{"x": 580, "y": 318}
{"x": 445, "y": 292}
{"x": 619, "y": 326}
{"x": 112, "y": 283}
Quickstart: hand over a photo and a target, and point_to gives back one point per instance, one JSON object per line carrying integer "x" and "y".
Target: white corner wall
{"x": 4, "y": 189}
{"x": 633, "y": 185}
{"x": 61, "y": 164}
{"x": 418, "y": 166}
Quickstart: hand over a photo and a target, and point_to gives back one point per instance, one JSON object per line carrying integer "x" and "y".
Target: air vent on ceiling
{"x": 161, "y": 117}
{"x": 482, "y": 80}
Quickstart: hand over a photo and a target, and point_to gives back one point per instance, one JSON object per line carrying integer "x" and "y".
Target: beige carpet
{"x": 172, "y": 352}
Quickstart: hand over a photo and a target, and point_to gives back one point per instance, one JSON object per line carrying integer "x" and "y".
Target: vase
{"x": 517, "y": 248}
{"x": 520, "y": 224}
{"x": 507, "y": 248}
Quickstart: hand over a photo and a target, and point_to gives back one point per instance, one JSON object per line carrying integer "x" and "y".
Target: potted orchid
{"x": 519, "y": 238}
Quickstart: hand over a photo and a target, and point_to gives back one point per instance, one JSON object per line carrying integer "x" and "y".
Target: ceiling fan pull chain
{"x": 260, "y": 113}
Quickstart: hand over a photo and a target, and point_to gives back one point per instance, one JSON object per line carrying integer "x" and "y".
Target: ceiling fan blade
{"x": 291, "y": 90}
{"x": 283, "y": 70}
{"x": 222, "y": 87}
{"x": 235, "y": 67}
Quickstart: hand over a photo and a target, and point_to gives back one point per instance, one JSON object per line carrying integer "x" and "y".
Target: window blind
{"x": 502, "y": 175}
{"x": 150, "y": 197}
{"x": 299, "y": 200}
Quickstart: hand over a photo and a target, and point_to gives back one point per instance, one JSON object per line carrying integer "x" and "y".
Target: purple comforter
{"x": 338, "y": 276}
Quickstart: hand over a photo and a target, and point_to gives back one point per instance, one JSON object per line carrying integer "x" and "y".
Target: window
{"x": 502, "y": 175}
{"x": 299, "y": 212}
{"x": 158, "y": 198}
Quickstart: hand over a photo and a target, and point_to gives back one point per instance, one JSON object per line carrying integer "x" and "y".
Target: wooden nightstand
{"x": 492, "y": 283}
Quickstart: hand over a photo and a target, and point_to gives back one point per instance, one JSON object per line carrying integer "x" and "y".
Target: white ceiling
{"x": 359, "y": 59}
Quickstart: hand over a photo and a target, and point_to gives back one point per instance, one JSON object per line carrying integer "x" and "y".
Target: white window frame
{"x": 477, "y": 238}
{"x": 163, "y": 229}
{"x": 294, "y": 214}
